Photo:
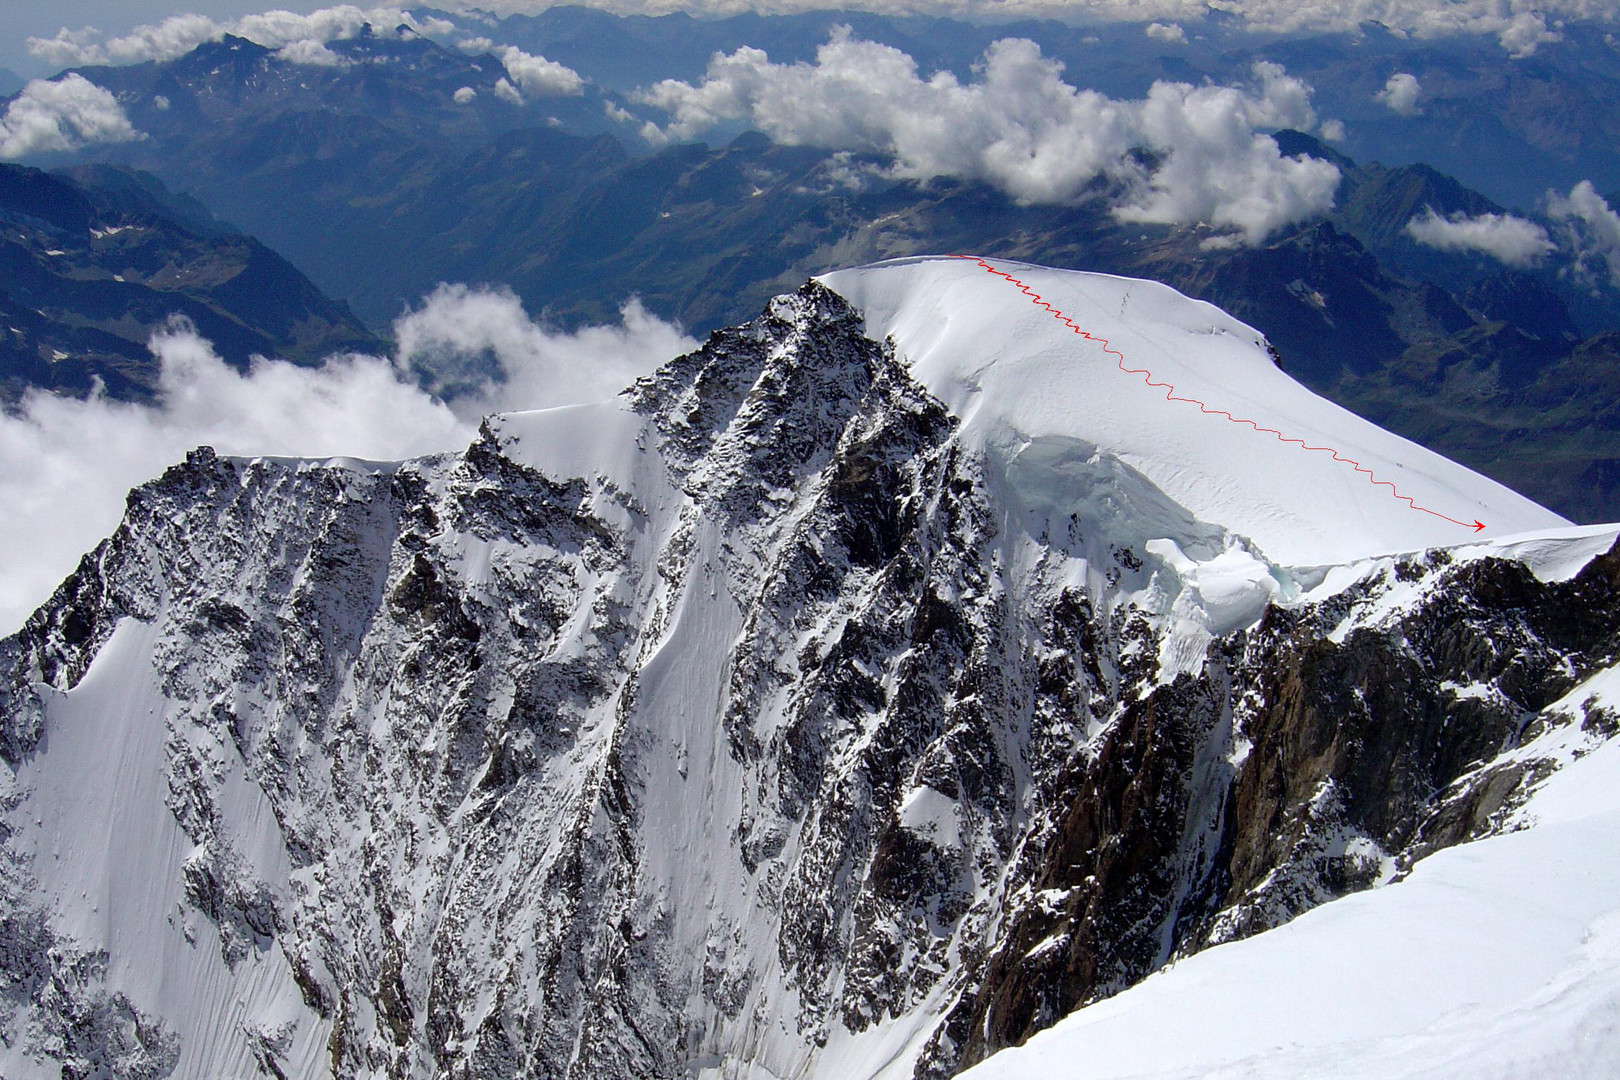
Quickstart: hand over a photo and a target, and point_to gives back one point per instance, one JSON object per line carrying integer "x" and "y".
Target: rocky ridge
{"x": 748, "y": 723}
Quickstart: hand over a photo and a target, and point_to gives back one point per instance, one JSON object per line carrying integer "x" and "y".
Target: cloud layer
{"x": 179, "y": 34}
{"x": 1512, "y": 241}
{"x": 1183, "y": 154}
{"x": 303, "y": 39}
{"x": 1520, "y": 25}
{"x": 66, "y": 464}
{"x": 66, "y": 114}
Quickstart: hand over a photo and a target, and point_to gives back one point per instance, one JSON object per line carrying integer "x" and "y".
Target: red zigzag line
{"x": 1170, "y": 395}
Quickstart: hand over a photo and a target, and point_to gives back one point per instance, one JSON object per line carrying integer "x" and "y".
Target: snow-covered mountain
{"x": 822, "y": 706}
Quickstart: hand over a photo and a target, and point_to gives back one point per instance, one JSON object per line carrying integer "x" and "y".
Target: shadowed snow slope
{"x": 1016, "y": 373}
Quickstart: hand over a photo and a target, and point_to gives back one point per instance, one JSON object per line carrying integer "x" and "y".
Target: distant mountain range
{"x": 96, "y": 259}
{"x": 372, "y": 178}
{"x": 1511, "y": 126}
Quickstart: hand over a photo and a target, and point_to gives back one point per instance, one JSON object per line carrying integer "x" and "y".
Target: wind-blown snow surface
{"x": 768, "y": 721}
{"x": 1495, "y": 960}
{"x": 1019, "y": 377}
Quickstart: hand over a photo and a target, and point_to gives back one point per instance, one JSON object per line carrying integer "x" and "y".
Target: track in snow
{"x": 1170, "y": 395}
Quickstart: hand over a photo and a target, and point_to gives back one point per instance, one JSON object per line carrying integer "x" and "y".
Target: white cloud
{"x": 69, "y": 47}
{"x": 478, "y": 348}
{"x": 1520, "y": 25}
{"x": 1020, "y": 127}
{"x": 1525, "y": 32}
{"x": 537, "y": 76}
{"x": 66, "y": 464}
{"x": 464, "y": 96}
{"x": 1400, "y": 94}
{"x": 311, "y": 53}
{"x": 1167, "y": 32}
{"x": 1333, "y": 130}
{"x": 507, "y": 92}
{"x": 1591, "y": 230}
{"x": 173, "y": 37}
{"x": 64, "y": 114}
{"x": 179, "y": 34}
{"x": 1510, "y": 240}
{"x": 1222, "y": 172}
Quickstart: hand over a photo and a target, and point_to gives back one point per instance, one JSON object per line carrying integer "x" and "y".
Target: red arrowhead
{"x": 1478, "y": 525}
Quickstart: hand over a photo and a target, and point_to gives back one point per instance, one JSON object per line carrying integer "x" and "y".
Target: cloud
{"x": 301, "y": 39}
{"x": 1400, "y": 94}
{"x": 478, "y": 349}
{"x": 1525, "y": 32}
{"x": 66, "y": 464}
{"x": 1590, "y": 230}
{"x": 311, "y": 53}
{"x": 64, "y": 114}
{"x": 1510, "y": 240}
{"x": 464, "y": 96}
{"x": 1020, "y": 127}
{"x": 1218, "y": 169}
{"x": 1171, "y": 33}
{"x": 537, "y": 76}
{"x": 1521, "y": 26}
{"x": 173, "y": 37}
{"x": 179, "y": 34}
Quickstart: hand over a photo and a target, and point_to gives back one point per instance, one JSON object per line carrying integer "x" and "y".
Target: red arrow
{"x": 1171, "y": 395}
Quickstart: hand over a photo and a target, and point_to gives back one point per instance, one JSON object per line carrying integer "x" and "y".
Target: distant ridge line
{"x": 1170, "y": 395}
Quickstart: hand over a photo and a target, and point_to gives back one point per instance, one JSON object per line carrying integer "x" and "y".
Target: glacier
{"x": 1016, "y": 375}
{"x": 858, "y": 695}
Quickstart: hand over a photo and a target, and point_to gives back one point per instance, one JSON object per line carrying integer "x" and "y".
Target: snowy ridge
{"x": 1014, "y": 373}
{"x": 816, "y": 708}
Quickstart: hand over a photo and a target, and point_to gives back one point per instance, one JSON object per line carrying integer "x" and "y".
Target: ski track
{"x": 1170, "y": 395}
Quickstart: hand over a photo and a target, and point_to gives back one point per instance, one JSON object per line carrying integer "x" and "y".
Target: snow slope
{"x": 1494, "y": 960}
{"x": 102, "y": 842}
{"x": 1017, "y": 375}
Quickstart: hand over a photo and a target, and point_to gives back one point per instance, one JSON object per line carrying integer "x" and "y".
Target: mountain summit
{"x": 1178, "y": 391}
{"x": 855, "y": 696}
